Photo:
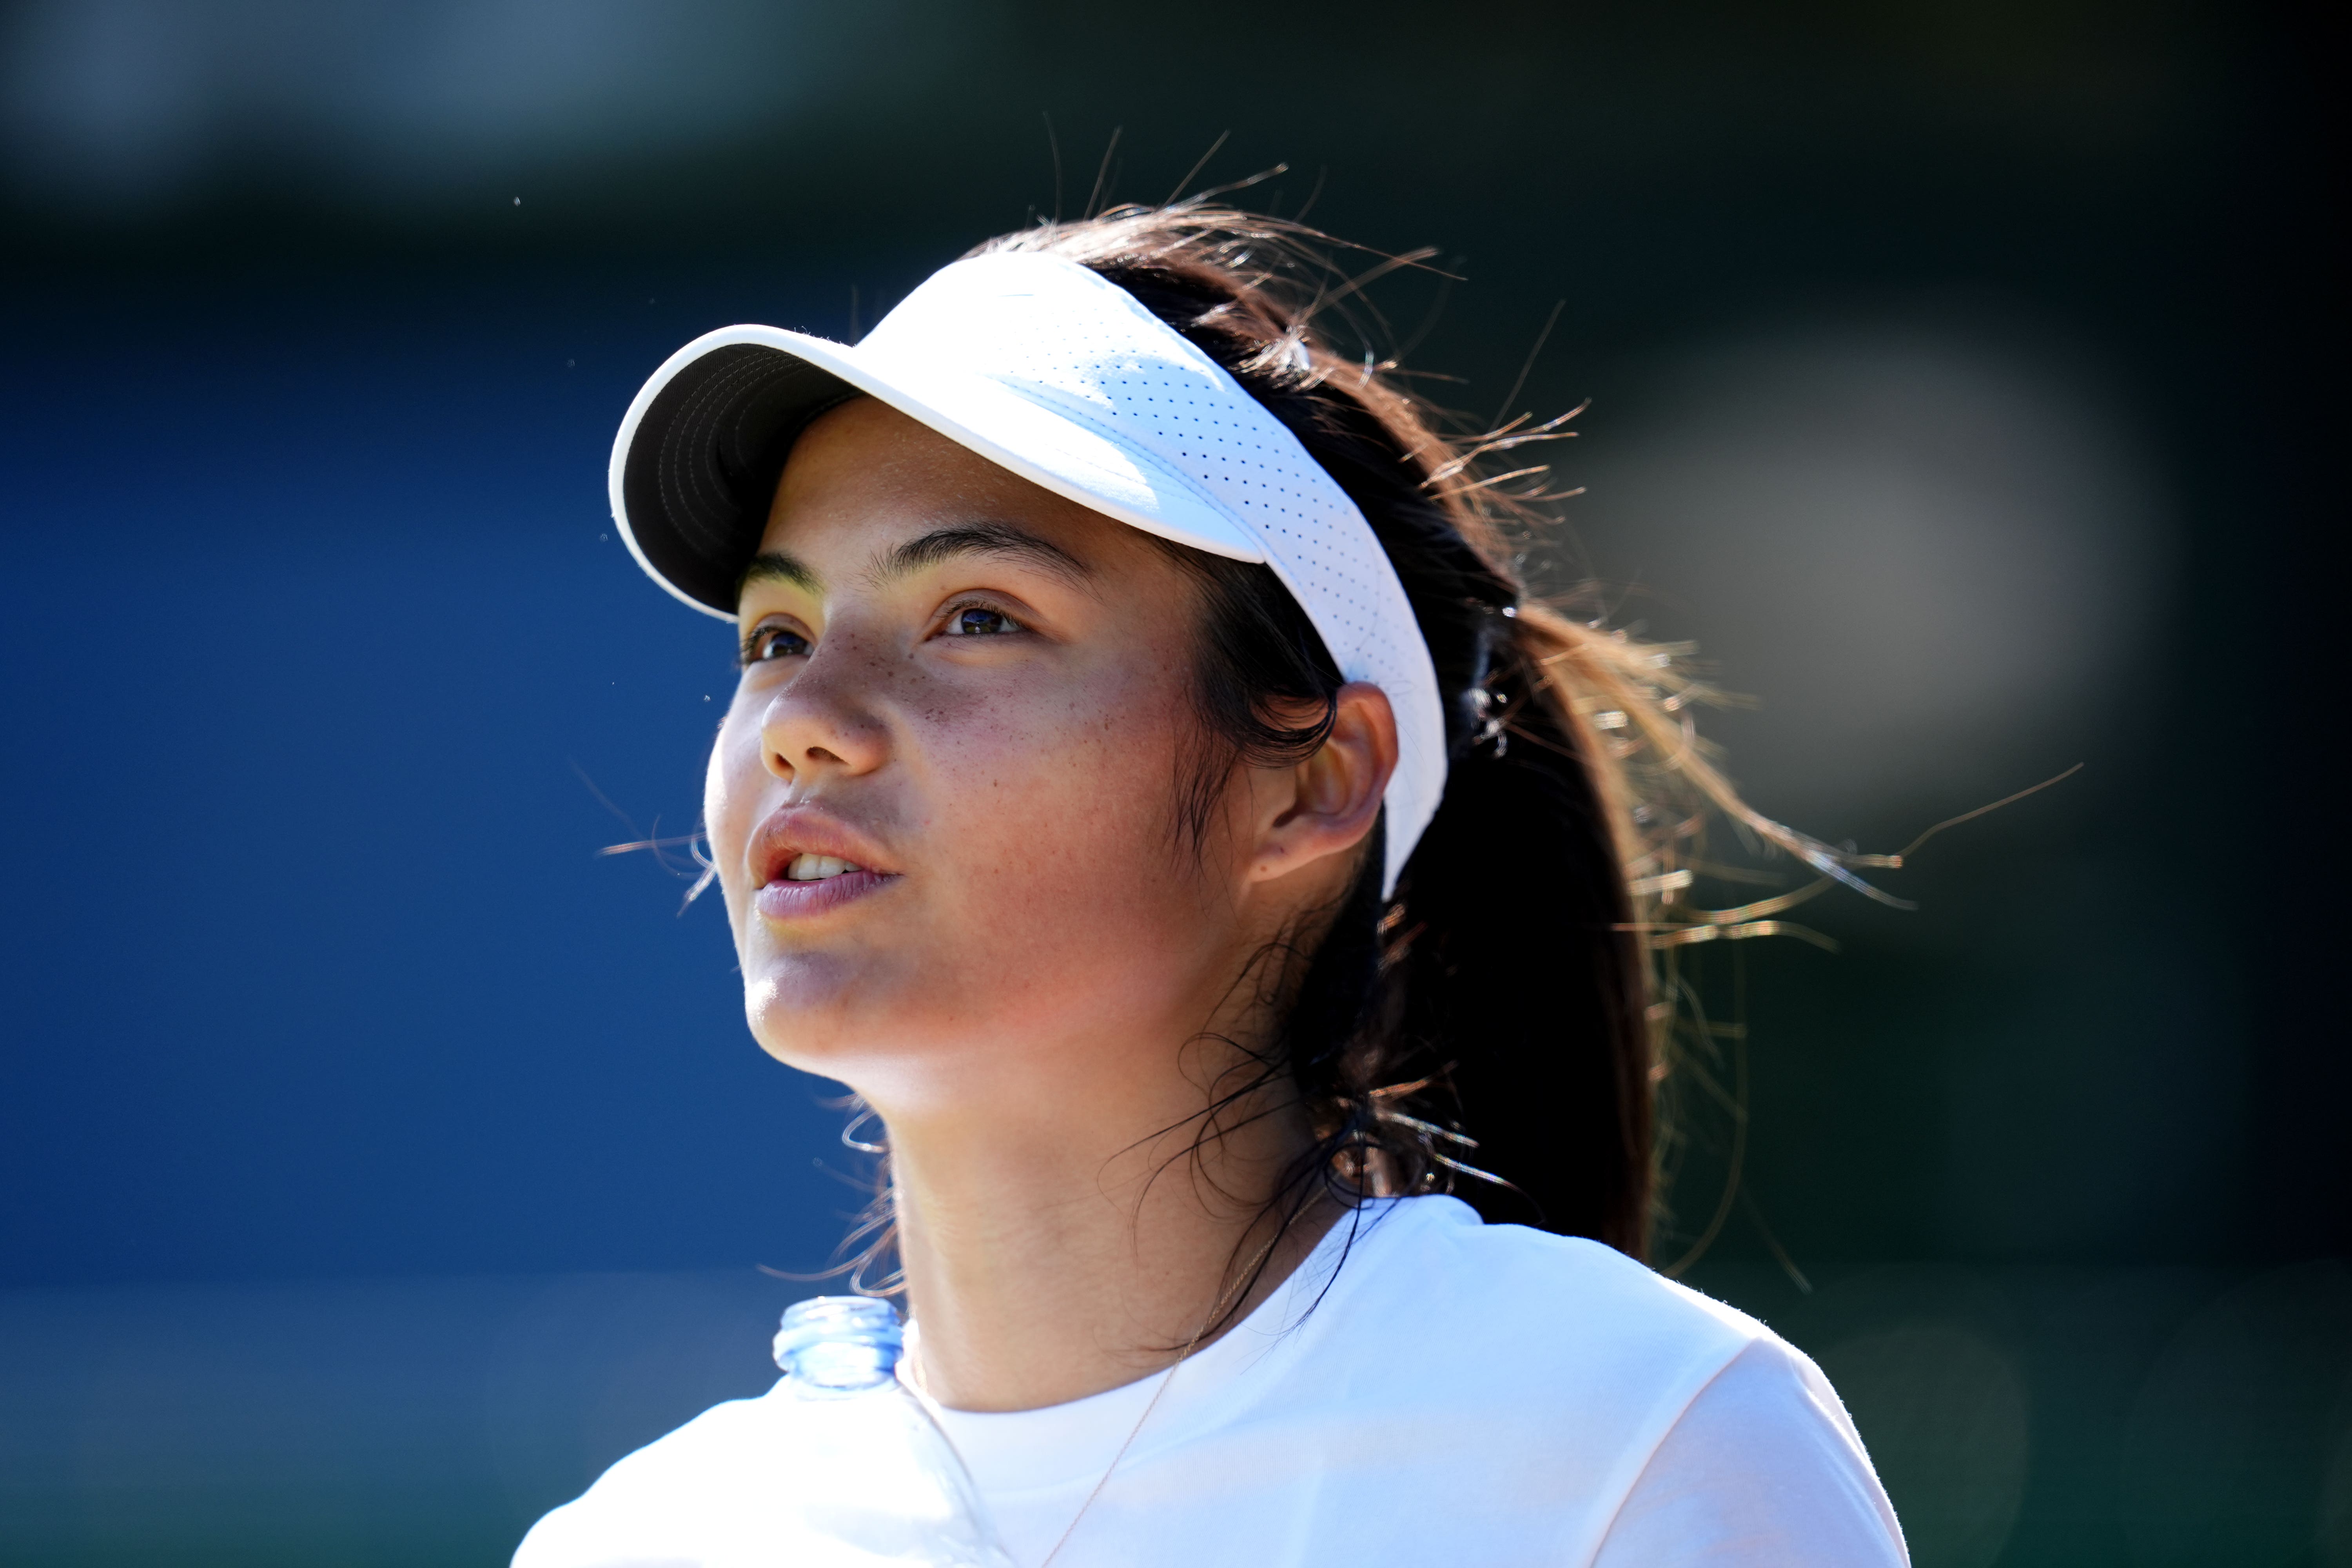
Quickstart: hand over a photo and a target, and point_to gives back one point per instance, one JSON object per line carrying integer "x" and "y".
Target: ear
{"x": 1323, "y": 807}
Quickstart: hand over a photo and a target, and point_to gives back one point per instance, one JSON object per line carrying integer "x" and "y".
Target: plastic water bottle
{"x": 863, "y": 1476}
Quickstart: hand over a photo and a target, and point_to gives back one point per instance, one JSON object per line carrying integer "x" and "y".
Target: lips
{"x": 810, "y": 863}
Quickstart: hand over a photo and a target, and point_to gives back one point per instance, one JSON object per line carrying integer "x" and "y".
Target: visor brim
{"x": 697, "y": 457}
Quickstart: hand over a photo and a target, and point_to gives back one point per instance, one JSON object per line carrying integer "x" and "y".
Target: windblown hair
{"x": 1500, "y": 1028}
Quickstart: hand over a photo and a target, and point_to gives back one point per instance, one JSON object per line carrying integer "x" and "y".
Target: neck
{"x": 1046, "y": 1263}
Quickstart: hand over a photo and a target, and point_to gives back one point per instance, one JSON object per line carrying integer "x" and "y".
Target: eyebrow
{"x": 775, "y": 566}
{"x": 943, "y": 544}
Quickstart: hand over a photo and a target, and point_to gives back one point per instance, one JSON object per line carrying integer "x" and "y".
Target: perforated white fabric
{"x": 1060, "y": 375}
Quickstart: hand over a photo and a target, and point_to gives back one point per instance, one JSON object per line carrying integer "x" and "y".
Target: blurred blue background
{"x": 377, "y": 1162}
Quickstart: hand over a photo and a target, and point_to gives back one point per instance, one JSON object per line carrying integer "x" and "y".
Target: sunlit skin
{"x": 978, "y": 691}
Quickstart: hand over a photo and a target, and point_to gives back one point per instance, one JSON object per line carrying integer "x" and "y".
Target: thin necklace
{"x": 1165, "y": 1379}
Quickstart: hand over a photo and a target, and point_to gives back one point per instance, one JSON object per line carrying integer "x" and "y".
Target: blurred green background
{"x": 376, "y": 1164}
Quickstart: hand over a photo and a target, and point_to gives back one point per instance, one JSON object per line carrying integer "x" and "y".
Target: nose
{"x": 826, "y": 719}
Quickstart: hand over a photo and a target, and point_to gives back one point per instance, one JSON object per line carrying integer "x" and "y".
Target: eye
{"x": 769, "y": 643}
{"x": 979, "y": 621}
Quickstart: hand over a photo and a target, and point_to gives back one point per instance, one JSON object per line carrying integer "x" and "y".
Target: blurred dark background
{"x": 377, "y": 1164}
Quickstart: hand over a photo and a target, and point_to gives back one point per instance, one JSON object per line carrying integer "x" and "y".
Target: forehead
{"x": 865, "y": 477}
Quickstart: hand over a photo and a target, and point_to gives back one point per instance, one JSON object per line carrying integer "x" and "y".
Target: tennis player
{"x": 1150, "y": 788}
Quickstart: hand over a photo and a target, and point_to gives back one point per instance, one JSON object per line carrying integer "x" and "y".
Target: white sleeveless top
{"x": 1458, "y": 1392}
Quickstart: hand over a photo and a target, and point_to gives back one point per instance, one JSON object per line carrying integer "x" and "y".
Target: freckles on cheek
{"x": 1075, "y": 788}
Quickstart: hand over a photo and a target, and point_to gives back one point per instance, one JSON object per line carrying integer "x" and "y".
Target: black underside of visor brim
{"x": 702, "y": 468}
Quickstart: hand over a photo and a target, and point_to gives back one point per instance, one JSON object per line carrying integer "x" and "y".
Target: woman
{"x": 1151, "y": 790}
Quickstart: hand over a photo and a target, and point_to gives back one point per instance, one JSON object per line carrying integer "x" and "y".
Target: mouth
{"x": 812, "y": 865}
{"x": 806, "y": 868}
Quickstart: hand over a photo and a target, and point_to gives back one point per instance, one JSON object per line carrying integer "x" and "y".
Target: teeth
{"x": 817, "y": 867}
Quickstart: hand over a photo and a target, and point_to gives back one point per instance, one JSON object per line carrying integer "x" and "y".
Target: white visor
{"x": 1060, "y": 375}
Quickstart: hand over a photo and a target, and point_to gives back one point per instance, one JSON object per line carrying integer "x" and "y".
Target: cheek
{"x": 730, "y": 796}
{"x": 1061, "y": 821}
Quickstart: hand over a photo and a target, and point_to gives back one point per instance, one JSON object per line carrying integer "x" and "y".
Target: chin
{"x": 910, "y": 1045}
{"x": 835, "y": 1021}
{"x": 803, "y": 1012}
